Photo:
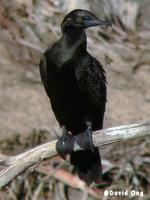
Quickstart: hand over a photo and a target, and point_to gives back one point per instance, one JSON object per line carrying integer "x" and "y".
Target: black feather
{"x": 76, "y": 85}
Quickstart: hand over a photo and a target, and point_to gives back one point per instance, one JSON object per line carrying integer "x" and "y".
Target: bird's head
{"x": 81, "y": 19}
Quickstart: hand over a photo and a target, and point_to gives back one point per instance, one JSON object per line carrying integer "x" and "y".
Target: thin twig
{"x": 17, "y": 164}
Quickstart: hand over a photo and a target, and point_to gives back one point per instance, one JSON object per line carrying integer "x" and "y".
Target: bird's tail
{"x": 88, "y": 165}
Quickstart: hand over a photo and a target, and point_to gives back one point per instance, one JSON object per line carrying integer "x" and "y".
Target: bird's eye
{"x": 69, "y": 19}
{"x": 86, "y": 17}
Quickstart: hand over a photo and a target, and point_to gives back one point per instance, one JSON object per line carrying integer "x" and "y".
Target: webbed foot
{"x": 65, "y": 145}
{"x": 84, "y": 140}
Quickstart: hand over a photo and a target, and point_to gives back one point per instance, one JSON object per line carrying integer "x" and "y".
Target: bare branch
{"x": 17, "y": 164}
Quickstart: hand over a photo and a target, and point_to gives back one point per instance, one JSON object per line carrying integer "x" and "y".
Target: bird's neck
{"x": 70, "y": 48}
{"x": 75, "y": 38}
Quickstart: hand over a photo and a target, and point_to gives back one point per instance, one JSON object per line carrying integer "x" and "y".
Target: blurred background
{"x": 27, "y": 29}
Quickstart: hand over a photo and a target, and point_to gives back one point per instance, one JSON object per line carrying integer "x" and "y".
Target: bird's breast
{"x": 66, "y": 99}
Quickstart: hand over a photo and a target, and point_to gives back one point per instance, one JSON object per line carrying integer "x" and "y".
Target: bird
{"x": 76, "y": 85}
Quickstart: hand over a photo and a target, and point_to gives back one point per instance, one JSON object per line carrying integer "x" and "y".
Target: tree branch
{"x": 14, "y": 165}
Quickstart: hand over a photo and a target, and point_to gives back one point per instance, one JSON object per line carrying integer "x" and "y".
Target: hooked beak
{"x": 97, "y": 22}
